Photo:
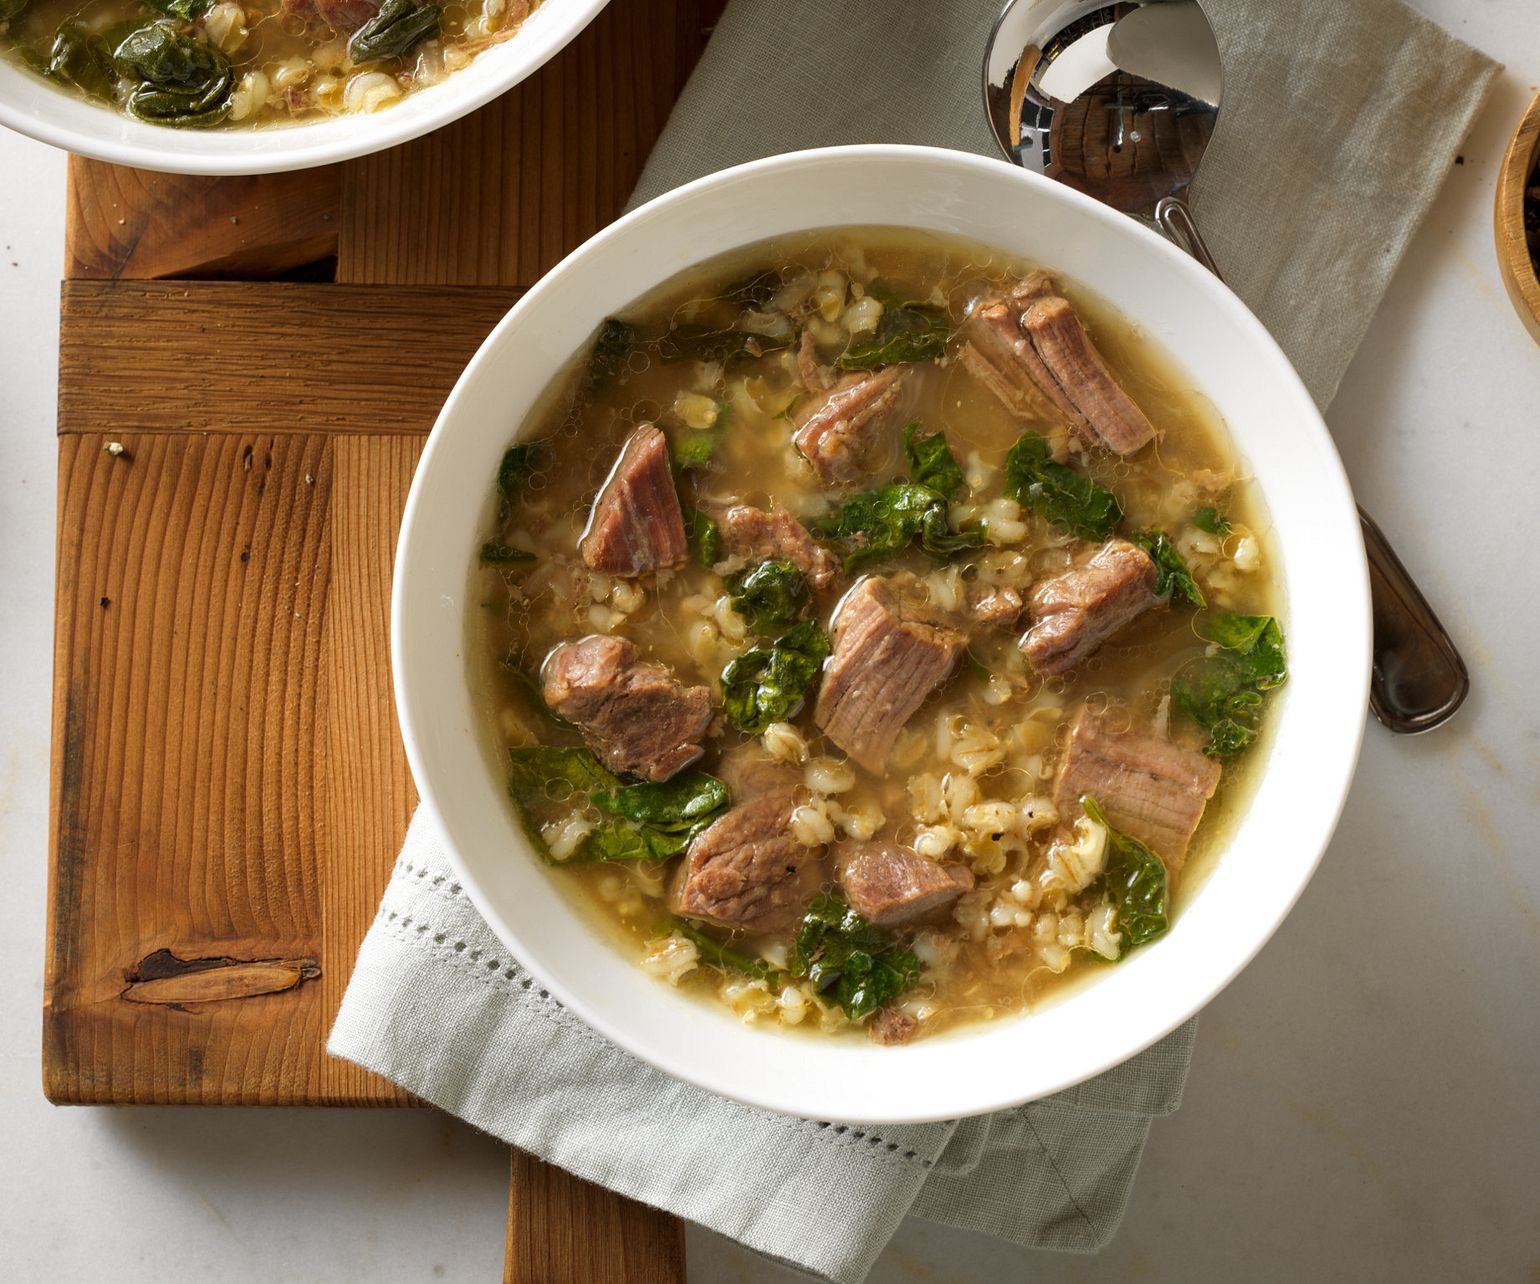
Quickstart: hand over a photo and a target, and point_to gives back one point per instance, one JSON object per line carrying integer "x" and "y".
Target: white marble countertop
{"x": 1364, "y": 1103}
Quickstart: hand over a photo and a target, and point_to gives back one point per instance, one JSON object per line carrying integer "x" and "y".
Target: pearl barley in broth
{"x": 876, "y": 632}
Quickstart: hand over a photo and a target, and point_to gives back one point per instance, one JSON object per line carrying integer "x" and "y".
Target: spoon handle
{"x": 1419, "y": 678}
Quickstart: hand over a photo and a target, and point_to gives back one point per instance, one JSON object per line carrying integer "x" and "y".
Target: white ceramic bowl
{"x": 1319, "y": 714}
{"x": 31, "y": 105}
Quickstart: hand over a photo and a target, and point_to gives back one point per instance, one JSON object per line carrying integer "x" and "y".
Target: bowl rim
{"x": 141, "y": 145}
{"x": 1520, "y": 275}
{"x": 1356, "y": 616}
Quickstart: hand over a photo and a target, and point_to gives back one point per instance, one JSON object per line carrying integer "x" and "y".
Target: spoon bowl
{"x": 1119, "y": 101}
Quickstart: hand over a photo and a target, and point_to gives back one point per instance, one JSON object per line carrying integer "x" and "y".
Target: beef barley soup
{"x": 876, "y": 632}
{"x": 204, "y": 63}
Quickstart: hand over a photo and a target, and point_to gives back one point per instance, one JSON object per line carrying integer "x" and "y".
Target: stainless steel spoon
{"x": 1119, "y": 101}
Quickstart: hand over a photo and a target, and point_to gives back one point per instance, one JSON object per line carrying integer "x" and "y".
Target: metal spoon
{"x": 1119, "y": 101}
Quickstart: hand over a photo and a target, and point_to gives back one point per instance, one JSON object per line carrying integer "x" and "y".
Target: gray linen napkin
{"x": 1290, "y": 197}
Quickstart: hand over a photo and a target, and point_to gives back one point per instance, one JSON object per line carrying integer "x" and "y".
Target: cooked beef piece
{"x": 996, "y": 607}
{"x": 833, "y": 431}
{"x": 888, "y": 885}
{"x": 636, "y": 524}
{"x": 754, "y": 533}
{"x": 1075, "y": 612}
{"x": 813, "y": 377}
{"x": 749, "y": 771}
{"x": 635, "y": 717}
{"x": 342, "y": 16}
{"x": 1064, "y": 347}
{"x": 1002, "y": 358}
{"x": 889, "y": 1026}
{"x": 746, "y": 870}
{"x": 1035, "y": 285}
{"x": 1146, "y": 786}
{"x": 884, "y": 665}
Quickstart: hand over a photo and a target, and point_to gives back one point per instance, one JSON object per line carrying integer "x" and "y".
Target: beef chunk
{"x": 889, "y": 1026}
{"x": 342, "y": 16}
{"x": 888, "y": 885}
{"x": 636, "y": 717}
{"x": 995, "y": 607}
{"x": 636, "y": 524}
{"x": 1001, "y": 357}
{"x": 1064, "y": 347}
{"x": 835, "y": 429}
{"x": 1146, "y": 786}
{"x": 1075, "y": 612}
{"x": 753, "y": 533}
{"x": 883, "y": 667}
{"x": 749, "y": 771}
{"x": 747, "y": 871}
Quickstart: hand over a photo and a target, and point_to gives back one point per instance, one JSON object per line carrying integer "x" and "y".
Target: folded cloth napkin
{"x": 1339, "y": 123}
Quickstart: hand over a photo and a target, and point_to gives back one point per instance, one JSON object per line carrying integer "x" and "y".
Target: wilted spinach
{"x": 495, "y": 554}
{"x": 769, "y": 596}
{"x": 1172, "y": 578}
{"x": 705, "y": 537}
{"x": 516, "y": 467}
{"x": 931, "y": 462}
{"x": 719, "y": 954}
{"x": 1223, "y": 693}
{"x": 694, "y": 448}
{"x": 646, "y": 821}
{"x": 906, "y": 332}
{"x": 1056, "y": 492}
{"x": 398, "y": 27}
{"x": 611, "y": 351}
{"x": 848, "y": 960}
{"x": 186, "y": 10}
{"x": 1134, "y": 879}
{"x": 181, "y": 81}
{"x": 754, "y": 291}
{"x": 769, "y": 683}
{"x": 81, "y": 60}
{"x": 1209, "y": 519}
{"x": 877, "y": 524}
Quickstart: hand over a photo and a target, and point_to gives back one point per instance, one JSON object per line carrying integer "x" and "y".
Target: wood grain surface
{"x": 564, "y": 1230}
{"x": 1514, "y": 257}
{"x": 236, "y": 356}
{"x": 229, "y": 789}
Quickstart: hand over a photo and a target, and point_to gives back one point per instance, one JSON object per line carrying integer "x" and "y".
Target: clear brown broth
{"x": 974, "y": 967}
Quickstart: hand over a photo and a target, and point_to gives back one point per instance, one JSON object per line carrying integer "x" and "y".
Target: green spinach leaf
{"x": 1056, "y": 492}
{"x": 877, "y": 524}
{"x": 1223, "y": 693}
{"x": 769, "y": 596}
{"x": 1172, "y": 578}
{"x": 705, "y": 537}
{"x": 754, "y": 291}
{"x": 186, "y": 10}
{"x": 694, "y": 448}
{"x": 858, "y": 966}
{"x": 1208, "y": 519}
{"x": 81, "y": 60}
{"x": 517, "y": 466}
{"x": 611, "y": 351}
{"x": 906, "y": 332}
{"x": 398, "y": 27}
{"x": 769, "y": 683}
{"x": 646, "y": 821}
{"x": 180, "y": 81}
{"x": 931, "y": 462}
{"x": 1134, "y": 879}
{"x": 720, "y": 954}
{"x": 495, "y": 554}
{"x": 684, "y": 802}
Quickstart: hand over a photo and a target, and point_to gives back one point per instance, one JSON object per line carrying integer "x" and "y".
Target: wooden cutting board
{"x": 248, "y": 370}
